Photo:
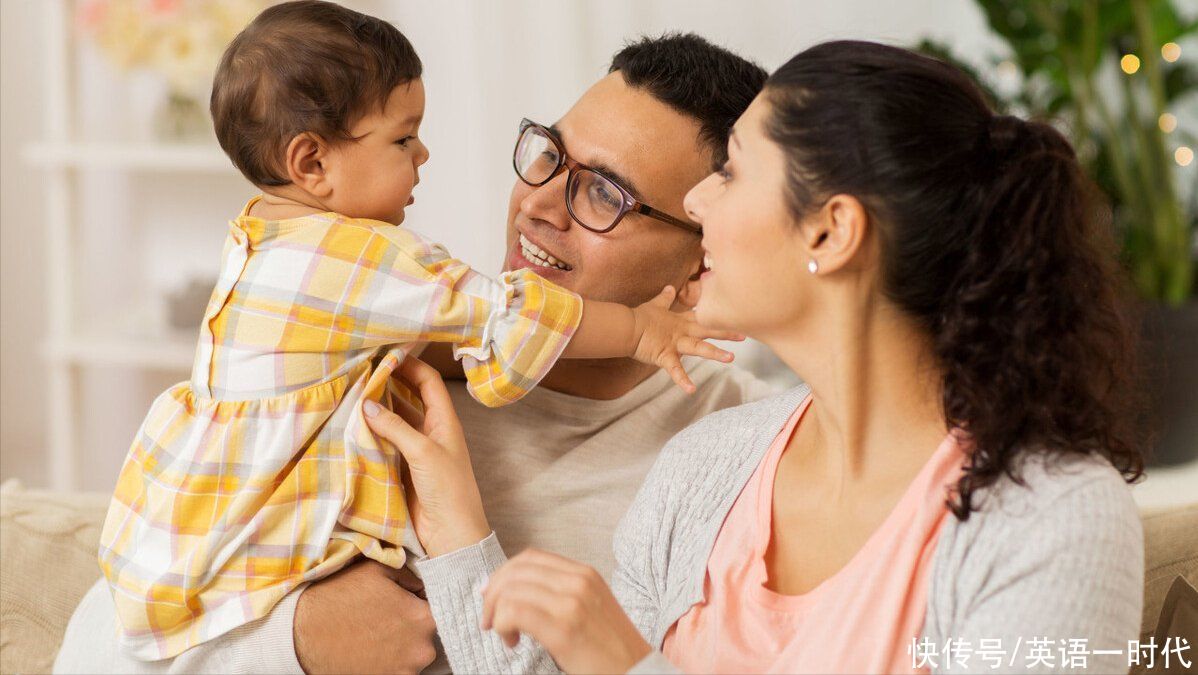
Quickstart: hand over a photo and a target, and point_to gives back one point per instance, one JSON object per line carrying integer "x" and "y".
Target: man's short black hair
{"x": 696, "y": 78}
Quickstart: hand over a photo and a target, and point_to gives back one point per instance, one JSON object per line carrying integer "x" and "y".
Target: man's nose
{"x": 548, "y": 203}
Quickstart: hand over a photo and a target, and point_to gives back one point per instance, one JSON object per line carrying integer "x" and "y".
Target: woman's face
{"x": 755, "y": 258}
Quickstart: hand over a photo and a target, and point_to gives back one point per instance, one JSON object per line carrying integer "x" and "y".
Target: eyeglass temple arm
{"x": 646, "y": 210}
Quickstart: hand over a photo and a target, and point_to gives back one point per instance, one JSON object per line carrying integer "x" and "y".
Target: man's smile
{"x": 533, "y": 253}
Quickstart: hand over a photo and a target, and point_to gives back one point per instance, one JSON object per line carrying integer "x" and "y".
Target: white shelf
{"x": 194, "y": 157}
{"x": 171, "y": 354}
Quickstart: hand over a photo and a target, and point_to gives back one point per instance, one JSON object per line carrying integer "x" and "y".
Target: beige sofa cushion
{"x": 1170, "y": 551}
{"x": 47, "y": 562}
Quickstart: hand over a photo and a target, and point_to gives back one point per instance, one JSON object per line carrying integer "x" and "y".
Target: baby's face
{"x": 373, "y": 177}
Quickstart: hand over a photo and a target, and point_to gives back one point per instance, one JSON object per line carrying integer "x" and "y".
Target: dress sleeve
{"x": 392, "y": 286}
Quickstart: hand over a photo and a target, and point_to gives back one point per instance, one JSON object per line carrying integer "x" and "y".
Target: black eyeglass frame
{"x": 629, "y": 204}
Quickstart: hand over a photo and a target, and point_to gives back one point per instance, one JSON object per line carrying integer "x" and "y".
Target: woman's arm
{"x": 558, "y": 602}
{"x": 1059, "y": 560}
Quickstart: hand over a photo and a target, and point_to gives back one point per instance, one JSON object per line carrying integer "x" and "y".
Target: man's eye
{"x": 724, "y": 174}
{"x": 404, "y": 141}
{"x": 602, "y": 195}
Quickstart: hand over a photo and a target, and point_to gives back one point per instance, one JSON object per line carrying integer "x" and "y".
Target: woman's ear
{"x": 307, "y": 164}
{"x": 835, "y": 233}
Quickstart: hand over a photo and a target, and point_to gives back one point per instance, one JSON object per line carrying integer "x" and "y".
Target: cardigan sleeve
{"x": 1048, "y": 569}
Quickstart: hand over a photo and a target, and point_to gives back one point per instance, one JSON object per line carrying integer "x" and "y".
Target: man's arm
{"x": 439, "y": 355}
{"x": 366, "y": 618}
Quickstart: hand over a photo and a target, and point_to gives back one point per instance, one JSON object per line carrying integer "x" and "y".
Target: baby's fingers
{"x": 665, "y": 298}
{"x": 696, "y": 347}
{"x": 673, "y": 366}
{"x": 699, "y": 331}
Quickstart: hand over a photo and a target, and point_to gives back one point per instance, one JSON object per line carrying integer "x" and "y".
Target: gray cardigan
{"x": 1059, "y": 558}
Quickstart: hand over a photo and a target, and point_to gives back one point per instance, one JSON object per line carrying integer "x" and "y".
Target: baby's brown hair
{"x": 303, "y": 66}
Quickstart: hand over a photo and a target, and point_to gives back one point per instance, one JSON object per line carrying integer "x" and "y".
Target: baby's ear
{"x": 306, "y": 158}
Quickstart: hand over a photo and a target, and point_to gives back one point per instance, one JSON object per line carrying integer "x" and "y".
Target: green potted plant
{"x": 1113, "y": 75}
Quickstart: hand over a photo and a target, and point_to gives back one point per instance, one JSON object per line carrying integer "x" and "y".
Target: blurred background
{"x": 115, "y": 196}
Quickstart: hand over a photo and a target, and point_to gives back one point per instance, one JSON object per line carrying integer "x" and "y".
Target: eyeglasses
{"x": 594, "y": 201}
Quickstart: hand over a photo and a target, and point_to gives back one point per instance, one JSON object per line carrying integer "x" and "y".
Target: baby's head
{"x": 321, "y": 104}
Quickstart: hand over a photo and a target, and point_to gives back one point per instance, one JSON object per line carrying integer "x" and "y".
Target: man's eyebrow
{"x": 603, "y": 168}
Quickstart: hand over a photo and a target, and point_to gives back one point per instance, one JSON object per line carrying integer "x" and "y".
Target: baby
{"x": 259, "y": 473}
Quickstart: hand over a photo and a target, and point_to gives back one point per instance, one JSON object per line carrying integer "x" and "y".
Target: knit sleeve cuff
{"x": 453, "y": 584}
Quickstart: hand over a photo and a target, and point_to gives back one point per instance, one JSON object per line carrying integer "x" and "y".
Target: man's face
{"x": 654, "y": 152}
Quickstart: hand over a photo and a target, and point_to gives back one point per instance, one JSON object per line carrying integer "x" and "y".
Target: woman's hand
{"x": 443, "y": 499}
{"x": 567, "y": 607}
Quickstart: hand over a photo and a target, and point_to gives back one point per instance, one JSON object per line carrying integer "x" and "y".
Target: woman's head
{"x": 886, "y": 169}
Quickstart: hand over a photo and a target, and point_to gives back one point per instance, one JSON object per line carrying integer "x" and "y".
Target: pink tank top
{"x": 860, "y": 620}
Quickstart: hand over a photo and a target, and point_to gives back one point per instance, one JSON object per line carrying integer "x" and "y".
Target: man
{"x": 557, "y": 469}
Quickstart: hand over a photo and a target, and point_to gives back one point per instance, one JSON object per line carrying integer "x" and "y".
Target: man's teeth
{"x": 536, "y": 254}
{"x": 707, "y": 261}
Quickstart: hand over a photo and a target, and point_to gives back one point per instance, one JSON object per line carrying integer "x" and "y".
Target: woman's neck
{"x": 876, "y": 408}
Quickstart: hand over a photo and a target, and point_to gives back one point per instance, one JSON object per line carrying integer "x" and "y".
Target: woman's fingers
{"x": 531, "y": 593}
{"x": 531, "y": 565}
{"x": 410, "y": 443}
{"x": 568, "y": 608}
{"x": 439, "y": 415}
{"x": 525, "y": 609}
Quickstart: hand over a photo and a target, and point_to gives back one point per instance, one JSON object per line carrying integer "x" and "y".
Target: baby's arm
{"x": 649, "y": 333}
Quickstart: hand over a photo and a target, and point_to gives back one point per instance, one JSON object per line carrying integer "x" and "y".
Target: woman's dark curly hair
{"x": 990, "y": 239}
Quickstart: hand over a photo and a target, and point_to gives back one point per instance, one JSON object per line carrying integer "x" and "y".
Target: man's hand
{"x": 366, "y": 618}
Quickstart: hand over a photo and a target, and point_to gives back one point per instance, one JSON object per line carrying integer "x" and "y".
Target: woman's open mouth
{"x": 538, "y": 256}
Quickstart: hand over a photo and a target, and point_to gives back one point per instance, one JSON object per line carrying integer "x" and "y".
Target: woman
{"x": 952, "y": 471}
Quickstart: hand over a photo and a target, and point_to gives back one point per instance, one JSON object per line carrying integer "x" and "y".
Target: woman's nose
{"x": 695, "y": 202}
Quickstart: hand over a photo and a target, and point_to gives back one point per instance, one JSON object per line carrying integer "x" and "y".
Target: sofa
{"x": 48, "y": 560}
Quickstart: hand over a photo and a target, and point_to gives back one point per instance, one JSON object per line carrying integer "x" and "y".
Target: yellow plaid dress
{"x": 260, "y": 474}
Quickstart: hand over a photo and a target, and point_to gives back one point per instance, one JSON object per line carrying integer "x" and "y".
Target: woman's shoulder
{"x": 1058, "y": 553}
{"x": 1046, "y": 483}
{"x": 705, "y": 463}
{"x": 1057, "y": 507}
{"x": 730, "y": 434}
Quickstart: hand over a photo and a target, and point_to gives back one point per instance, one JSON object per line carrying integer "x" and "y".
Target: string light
{"x": 1167, "y": 122}
{"x": 1183, "y": 155}
{"x": 1170, "y": 51}
{"x": 1130, "y": 63}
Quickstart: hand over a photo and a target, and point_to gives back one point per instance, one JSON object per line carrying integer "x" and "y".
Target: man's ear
{"x": 834, "y": 234}
{"x": 307, "y": 164}
{"x": 688, "y": 294}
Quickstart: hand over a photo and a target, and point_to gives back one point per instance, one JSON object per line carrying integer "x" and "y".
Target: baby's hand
{"x": 664, "y": 336}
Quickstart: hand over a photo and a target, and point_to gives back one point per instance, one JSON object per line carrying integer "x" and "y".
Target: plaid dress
{"x": 260, "y": 474}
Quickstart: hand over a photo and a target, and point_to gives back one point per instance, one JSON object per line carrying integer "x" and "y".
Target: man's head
{"x": 657, "y": 123}
{"x": 321, "y": 102}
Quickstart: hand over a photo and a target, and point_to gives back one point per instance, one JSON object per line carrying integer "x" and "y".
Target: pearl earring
{"x": 813, "y": 267}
